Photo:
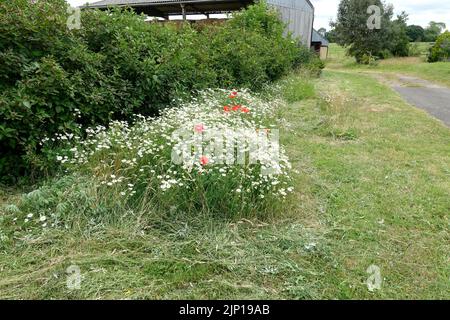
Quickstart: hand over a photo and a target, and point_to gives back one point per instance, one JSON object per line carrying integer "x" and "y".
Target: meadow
{"x": 371, "y": 187}
{"x": 415, "y": 66}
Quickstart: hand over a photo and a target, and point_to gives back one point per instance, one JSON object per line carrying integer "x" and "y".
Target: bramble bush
{"x": 117, "y": 65}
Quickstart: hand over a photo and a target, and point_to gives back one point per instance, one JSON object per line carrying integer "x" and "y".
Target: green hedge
{"x": 53, "y": 79}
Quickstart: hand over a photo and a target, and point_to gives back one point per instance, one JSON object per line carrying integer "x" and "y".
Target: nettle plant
{"x": 216, "y": 154}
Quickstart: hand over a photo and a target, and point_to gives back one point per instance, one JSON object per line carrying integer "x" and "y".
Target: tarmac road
{"x": 423, "y": 94}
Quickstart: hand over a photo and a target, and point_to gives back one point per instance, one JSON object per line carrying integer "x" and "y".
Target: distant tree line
{"x": 415, "y": 33}
{"x": 428, "y": 34}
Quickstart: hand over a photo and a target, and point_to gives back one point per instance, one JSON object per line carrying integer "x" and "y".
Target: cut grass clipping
{"x": 372, "y": 190}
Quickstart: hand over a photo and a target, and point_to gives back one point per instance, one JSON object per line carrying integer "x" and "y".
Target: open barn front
{"x": 168, "y": 8}
{"x": 298, "y": 14}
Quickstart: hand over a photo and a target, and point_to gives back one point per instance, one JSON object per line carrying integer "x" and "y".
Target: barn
{"x": 298, "y": 14}
{"x": 320, "y": 45}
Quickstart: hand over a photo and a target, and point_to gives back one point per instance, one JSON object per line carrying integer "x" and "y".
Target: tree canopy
{"x": 352, "y": 30}
{"x": 415, "y": 33}
{"x": 433, "y": 31}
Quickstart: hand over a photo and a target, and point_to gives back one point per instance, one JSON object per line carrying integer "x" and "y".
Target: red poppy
{"x": 233, "y": 94}
{"x": 245, "y": 110}
{"x": 226, "y": 109}
{"x": 204, "y": 160}
{"x": 237, "y": 107}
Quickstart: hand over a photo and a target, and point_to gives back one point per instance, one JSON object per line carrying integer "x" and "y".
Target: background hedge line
{"x": 53, "y": 79}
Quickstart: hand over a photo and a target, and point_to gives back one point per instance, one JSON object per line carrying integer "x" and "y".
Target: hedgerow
{"x": 53, "y": 79}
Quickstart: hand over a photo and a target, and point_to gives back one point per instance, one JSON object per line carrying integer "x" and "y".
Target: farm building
{"x": 320, "y": 45}
{"x": 298, "y": 14}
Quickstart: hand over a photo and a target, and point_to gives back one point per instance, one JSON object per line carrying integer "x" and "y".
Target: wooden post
{"x": 183, "y": 10}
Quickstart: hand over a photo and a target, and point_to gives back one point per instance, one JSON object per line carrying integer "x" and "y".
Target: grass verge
{"x": 372, "y": 189}
{"x": 416, "y": 66}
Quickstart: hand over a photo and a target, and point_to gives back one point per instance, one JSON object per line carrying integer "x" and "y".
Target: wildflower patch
{"x": 198, "y": 156}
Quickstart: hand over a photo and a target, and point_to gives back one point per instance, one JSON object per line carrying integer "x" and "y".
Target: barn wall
{"x": 324, "y": 53}
{"x": 299, "y": 16}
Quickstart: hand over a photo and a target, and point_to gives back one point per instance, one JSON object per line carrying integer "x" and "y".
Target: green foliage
{"x": 370, "y": 60}
{"x": 433, "y": 31}
{"x": 259, "y": 18}
{"x": 441, "y": 49}
{"x": 399, "y": 41}
{"x": 351, "y": 30}
{"x": 415, "y": 33}
{"x": 255, "y": 55}
{"x": 415, "y": 50}
{"x": 117, "y": 65}
{"x": 331, "y": 36}
{"x": 298, "y": 89}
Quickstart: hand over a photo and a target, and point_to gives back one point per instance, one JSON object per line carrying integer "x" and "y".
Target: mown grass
{"x": 372, "y": 189}
{"x": 416, "y": 66}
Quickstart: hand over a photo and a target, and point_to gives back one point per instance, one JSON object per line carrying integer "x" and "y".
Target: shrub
{"x": 441, "y": 49}
{"x": 115, "y": 66}
{"x": 368, "y": 59}
{"x": 415, "y": 50}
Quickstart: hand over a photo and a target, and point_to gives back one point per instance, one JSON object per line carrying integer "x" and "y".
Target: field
{"x": 416, "y": 66}
{"x": 372, "y": 189}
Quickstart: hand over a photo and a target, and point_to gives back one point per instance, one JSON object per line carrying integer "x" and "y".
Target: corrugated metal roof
{"x": 106, "y": 3}
{"x": 129, "y": 2}
{"x": 164, "y": 8}
{"x": 316, "y": 37}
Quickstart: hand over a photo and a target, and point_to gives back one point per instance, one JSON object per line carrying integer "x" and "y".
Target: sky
{"x": 421, "y": 12}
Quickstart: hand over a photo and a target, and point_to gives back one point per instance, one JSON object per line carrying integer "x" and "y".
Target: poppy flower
{"x": 226, "y": 109}
{"x": 245, "y": 110}
{"x": 199, "y": 128}
{"x": 236, "y": 108}
{"x": 233, "y": 94}
{"x": 204, "y": 160}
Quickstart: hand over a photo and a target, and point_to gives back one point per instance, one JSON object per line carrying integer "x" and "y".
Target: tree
{"x": 353, "y": 32}
{"x": 415, "y": 33}
{"x": 331, "y": 36}
{"x": 399, "y": 40}
{"x": 433, "y": 31}
{"x": 322, "y": 32}
{"x": 364, "y": 41}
